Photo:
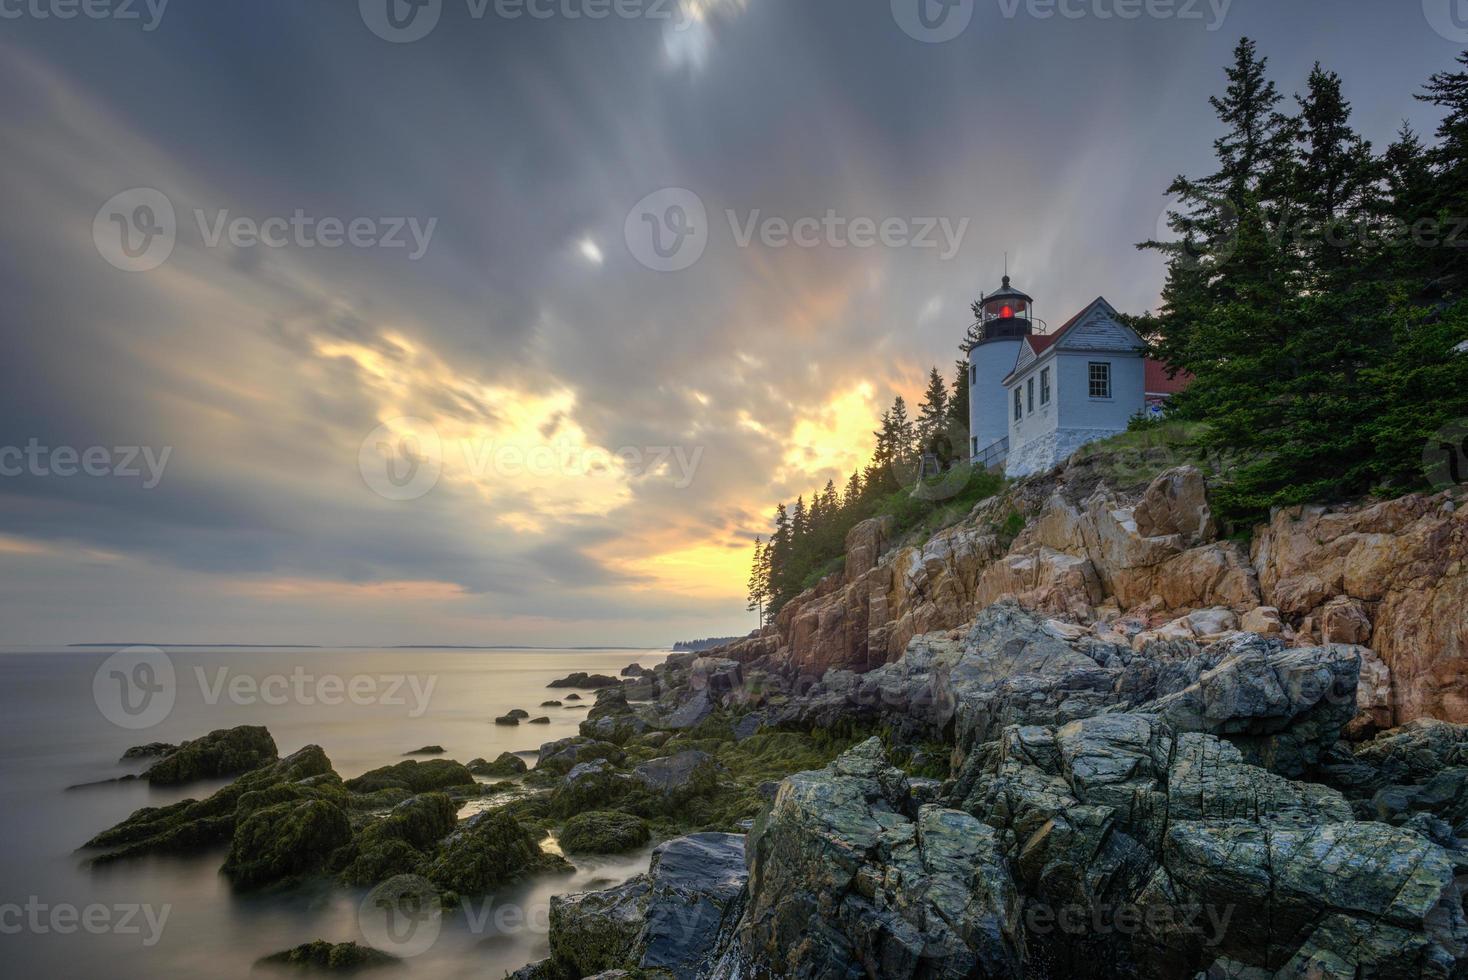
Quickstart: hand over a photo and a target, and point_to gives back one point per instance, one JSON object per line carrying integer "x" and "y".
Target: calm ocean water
{"x": 58, "y": 918}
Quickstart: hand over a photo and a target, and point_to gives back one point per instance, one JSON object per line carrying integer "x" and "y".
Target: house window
{"x": 975, "y": 441}
{"x": 1044, "y": 386}
{"x": 1019, "y": 410}
{"x": 1100, "y": 379}
{"x": 1030, "y": 395}
{"x": 973, "y": 374}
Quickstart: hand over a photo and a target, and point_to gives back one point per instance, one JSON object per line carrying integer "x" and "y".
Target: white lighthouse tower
{"x": 1005, "y": 320}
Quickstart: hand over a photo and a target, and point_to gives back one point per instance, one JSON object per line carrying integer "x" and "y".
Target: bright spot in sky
{"x": 590, "y": 251}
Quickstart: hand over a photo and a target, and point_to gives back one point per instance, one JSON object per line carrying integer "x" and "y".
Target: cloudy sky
{"x": 328, "y": 326}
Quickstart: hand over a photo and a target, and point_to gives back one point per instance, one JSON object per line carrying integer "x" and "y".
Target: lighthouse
{"x": 1006, "y": 318}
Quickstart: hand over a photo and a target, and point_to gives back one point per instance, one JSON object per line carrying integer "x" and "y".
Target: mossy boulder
{"x": 192, "y": 825}
{"x": 587, "y": 681}
{"x": 148, "y": 750}
{"x": 284, "y": 841}
{"x": 489, "y": 849}
{"x": 562, "y": 755}
{"x": 397, "y": 844}
{"x": 414, "y": 776}
{"x": 333, "y": 957}
{"x": 603, "y": 832}
{"x": 225, "y": 752}
{"x": 590, "y": 786}
{"x": 506, "y": 764}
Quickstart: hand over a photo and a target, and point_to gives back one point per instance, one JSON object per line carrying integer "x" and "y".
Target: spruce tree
{"x": 932, "y": 422}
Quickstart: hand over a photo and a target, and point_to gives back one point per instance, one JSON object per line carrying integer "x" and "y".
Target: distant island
{"x": 708, "y": 644}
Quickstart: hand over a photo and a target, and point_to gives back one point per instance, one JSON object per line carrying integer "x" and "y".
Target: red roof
{"x": 1157, "y": 381}
{"x": 1039, "y": 343}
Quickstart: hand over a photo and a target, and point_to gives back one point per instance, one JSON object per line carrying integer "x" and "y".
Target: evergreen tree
{"x": 958, "y": 401}
{"x": 759, "y": 581}
{"x": 904, "y": 434}
{"x": 932, "y": 422}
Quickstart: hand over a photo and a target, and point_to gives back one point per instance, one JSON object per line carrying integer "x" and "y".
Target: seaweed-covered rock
{"x": 427, "y": 750}
{"x": 488, "y": 849}
{"x": 595, "y": 931}
{"x": 508, "y": 721}
{"x": 563, "y": 754}
{"x": 542, "y": 720}
{"x": 603, "y": 832}
{"x": 688, "y": 772}
{"x": 586, "y": 681}
{"x": 148, "y": 750}
{"x": 589, "y": 786}
{"x": 505, "y": 764}
{"x": 552, "y": 703}
{"x": 520, "y": 713}
{"x": 225, "y": 752}
{"x": 413, "y": 776}
{"x": 397, "y": 843}
{"x": 279, "y": 842}
{"x": 331, "y": 957}
{"x": 191, "y": 825}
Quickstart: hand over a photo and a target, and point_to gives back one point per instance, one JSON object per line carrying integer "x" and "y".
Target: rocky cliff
{"x": 1138, "y": 806}
{"x": 1147, "y": 561}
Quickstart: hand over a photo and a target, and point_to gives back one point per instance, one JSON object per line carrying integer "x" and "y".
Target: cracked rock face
{"x": 845, "y": 876}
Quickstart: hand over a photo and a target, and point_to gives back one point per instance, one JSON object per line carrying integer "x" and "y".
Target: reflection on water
{"x": 175, "y": 917}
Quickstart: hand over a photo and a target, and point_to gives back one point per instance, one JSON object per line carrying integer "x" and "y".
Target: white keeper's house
{"x": 1035, "y": 397}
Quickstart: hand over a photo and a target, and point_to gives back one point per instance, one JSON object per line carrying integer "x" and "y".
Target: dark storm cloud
{"x": 265, "y": 370}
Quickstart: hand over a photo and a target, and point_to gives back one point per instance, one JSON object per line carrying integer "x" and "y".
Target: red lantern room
{"x": 1007, "y": 313}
